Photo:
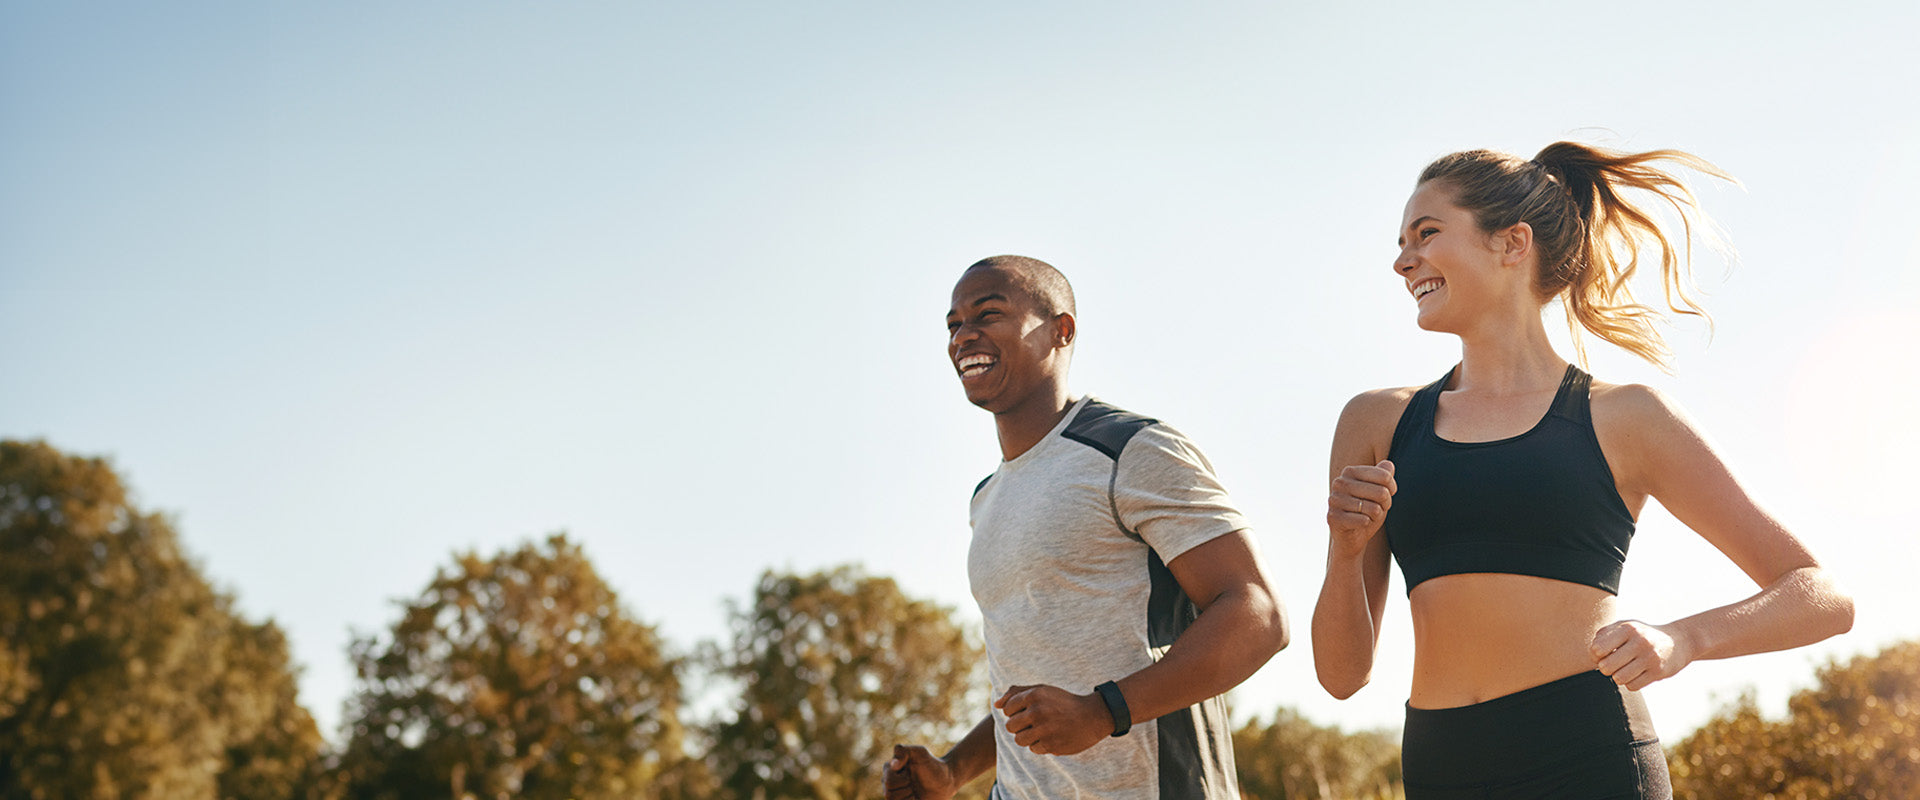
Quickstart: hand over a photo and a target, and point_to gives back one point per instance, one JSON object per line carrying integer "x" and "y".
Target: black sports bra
{"x": 1541, "y": 503}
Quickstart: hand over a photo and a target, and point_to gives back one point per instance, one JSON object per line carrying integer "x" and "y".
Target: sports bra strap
{"x": 1573, "y": 402}
{"x": 1419, "y": 413}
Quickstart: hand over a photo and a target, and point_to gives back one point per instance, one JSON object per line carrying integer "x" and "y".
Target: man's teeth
{"x": 974, "y": 365}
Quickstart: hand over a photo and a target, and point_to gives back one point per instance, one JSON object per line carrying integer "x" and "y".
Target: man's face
{"x": 1000, "y": 343}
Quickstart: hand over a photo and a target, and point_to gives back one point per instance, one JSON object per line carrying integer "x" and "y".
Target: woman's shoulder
{"x": 1365, "y": 432}
{"x": 1376, "y": 401}
{"x": 1635, "y": 405}
{"x": 1377, "y": 409}
{"x": 1641, "y": 428}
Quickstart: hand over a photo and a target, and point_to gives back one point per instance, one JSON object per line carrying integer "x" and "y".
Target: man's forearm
{"x": 974, "y": 754}
{"x": 1237, "y": 634}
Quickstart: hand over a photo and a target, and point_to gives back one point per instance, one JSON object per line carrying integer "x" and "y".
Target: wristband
{"x": 1117, "y": 706}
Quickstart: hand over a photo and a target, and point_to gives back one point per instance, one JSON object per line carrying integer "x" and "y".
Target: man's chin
{"x": 987, "y": 400}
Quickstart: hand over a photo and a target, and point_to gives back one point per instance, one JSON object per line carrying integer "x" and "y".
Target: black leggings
{"x": 1582, "y": 737}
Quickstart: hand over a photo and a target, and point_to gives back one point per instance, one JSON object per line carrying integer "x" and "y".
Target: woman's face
{"x": 1451, "y": 268}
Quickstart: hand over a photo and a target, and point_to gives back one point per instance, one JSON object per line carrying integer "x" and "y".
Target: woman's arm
{"x": 1346, "y": 618}
{"x": 1662, "y": 454}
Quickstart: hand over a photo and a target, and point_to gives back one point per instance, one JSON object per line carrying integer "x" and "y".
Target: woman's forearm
{"x": 1799, "y": 608}
{"x": 1343, "y": 628}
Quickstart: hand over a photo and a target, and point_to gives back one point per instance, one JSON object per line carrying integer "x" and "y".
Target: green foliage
{"x": 1294, "y": 759}
{"x": 122, "y": 672}
{"x": 517, "y": 676}
{"x": 835, "y": 668}
{"x": 1854, "y": 735}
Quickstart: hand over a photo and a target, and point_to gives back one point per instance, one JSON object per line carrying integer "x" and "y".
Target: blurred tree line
{"x": 125, "y": 674}
{"x": 122, "y": 672}
{"x": 1855, "y": 734}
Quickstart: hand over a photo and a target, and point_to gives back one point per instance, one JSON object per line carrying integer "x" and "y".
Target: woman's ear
{"x": 1516, "y": 244}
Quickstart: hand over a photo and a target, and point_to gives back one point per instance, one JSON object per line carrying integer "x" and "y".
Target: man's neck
{"x": 1022, "y": 427}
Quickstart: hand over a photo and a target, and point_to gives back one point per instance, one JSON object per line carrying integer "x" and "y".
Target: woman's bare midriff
{"x": 1479, "y": 636}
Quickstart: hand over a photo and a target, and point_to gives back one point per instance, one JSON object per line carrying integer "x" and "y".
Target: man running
{"x": 1121, "y": 591}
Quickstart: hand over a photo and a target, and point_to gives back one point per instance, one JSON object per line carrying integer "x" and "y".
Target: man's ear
{"x": 1516, "y": 243}
{"x": 1063, "y": 330}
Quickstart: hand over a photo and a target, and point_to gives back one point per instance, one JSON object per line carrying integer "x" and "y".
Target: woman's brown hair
{"x": 1590, "y": 237}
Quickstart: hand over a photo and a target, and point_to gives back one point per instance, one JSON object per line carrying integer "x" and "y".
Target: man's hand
{"x": 1054, "y": 721}
{"x": 915, "y": 774}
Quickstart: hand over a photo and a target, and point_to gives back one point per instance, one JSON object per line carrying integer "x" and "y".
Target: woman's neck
{"x": 1513, "y": 358}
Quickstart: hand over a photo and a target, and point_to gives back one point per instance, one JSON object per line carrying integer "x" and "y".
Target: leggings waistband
{"x": 1522, "y": 733}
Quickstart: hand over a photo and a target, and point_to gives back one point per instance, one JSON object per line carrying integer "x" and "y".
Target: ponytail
{"x": 1590, "y": 238}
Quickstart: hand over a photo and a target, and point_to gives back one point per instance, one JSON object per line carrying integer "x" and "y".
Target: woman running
{"x": 1508, "y": 490}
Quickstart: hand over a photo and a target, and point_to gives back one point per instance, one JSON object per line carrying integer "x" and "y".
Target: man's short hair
{"x": 1051, "y": 292}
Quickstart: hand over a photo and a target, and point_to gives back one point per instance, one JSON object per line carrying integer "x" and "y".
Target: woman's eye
{"x": 1426, "y": 232}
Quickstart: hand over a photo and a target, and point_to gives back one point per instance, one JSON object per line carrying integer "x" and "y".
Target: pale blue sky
{"x": 344, "y": 288}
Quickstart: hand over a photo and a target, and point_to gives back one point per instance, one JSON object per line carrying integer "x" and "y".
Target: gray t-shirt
{"x": 1068, "y": 563}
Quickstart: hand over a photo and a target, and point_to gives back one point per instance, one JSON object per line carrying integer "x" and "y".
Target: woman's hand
{"x": 1357, "y": 505}
{"x": 1634, "y": 653}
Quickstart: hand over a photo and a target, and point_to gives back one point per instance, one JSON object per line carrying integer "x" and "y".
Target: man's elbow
{"x": 1282, "y": 633}
{"x": 1277, "y": 634}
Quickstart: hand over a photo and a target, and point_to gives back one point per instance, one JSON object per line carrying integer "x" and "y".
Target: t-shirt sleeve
{"x": 1166, "y": 493}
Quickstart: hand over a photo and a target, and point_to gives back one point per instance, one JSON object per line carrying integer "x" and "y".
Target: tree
{"x": 275, "y": 754}
{"x": 1854, "y": 735}
{"x": 1291, "y": 758}
{"x": 122, "y": 672}
{"x": 517, "y": 676}
{"x": 835, "y": 668}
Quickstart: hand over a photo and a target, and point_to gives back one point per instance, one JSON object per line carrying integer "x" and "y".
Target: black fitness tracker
{"x": 1117, "y": 706}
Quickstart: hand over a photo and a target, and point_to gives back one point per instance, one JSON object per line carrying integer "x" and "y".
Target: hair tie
{"x": 1552, "y": 173}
